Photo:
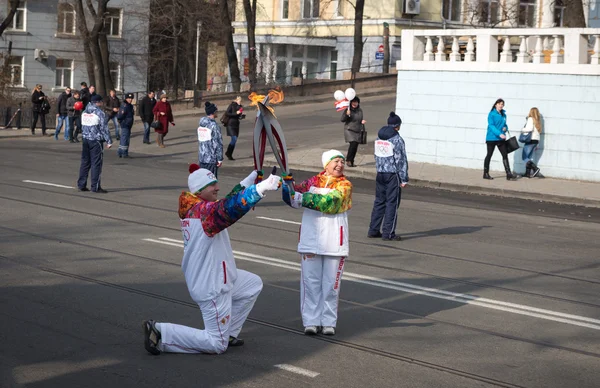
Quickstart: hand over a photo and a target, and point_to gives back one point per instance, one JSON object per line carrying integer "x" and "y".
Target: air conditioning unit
{"x": 412, "y": 7}
{"x": 39, "y": 55}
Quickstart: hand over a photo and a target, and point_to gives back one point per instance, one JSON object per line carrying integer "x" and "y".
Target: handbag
{"x": 511, "y": 143}
{"x": 156, "y": 124}
{"x": 225, "y": 118}
{"x": 363, "y": 134}
{"x": 525, "y": 137}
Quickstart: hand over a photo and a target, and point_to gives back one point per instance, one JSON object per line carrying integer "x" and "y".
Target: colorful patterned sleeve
{"x": 219, "y": 215}
{"x": 337, "y": 201}
{"x": 304, "y": 186}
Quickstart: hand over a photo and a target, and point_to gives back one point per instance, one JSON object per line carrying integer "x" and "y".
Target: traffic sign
{"x": 380, "y": 49}
{"x": 378, "y": 55}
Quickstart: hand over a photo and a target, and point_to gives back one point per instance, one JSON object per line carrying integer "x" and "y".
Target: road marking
{"x": 48, "y": 184}
{"x": 295, "y": 369}
{"x": 535, "y": 312}
{"x": 279, "y": 220}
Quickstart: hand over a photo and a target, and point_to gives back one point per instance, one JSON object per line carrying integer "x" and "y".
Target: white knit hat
{"x": 200, "y": 178}
{"x": 328, "y": 156}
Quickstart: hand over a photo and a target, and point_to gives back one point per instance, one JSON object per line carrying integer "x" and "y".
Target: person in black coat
{"x": 62, "y": 113}
{"x": 235, "y": 113}
{"x": 145, "y": 110}
{"x": 111, "y": 108}
{"x": 40, "y": 107}
{"x": 84, "y": 94}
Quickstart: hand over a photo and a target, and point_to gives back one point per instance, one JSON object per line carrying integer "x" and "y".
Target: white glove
{"x": 249, "y": 180}
{"x": 272, "y": 183}
{"x": 297, "y": 201}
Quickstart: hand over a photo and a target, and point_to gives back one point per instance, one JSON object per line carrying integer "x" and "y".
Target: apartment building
{"x": 314, "y": 38}
{"x": 46, "y": 45}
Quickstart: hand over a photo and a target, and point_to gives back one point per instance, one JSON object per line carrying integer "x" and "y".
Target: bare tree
{"x": 250, "y": 12}
{"x": 358, "y": 36}
{"x": 12, "y": 10}
{"x": 574, "y": 16}
{"x": 232, "y": 59}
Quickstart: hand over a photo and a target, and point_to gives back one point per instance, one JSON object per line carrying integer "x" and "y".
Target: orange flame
{"x": 275, "y": 97}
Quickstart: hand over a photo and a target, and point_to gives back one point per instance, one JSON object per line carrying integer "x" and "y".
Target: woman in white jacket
{"x": 323, "y": 244}
{"x": 533, "y": 126}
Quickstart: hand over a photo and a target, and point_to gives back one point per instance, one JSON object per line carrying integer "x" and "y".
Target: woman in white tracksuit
{"x": 323, "y": 246}
{"x": 224, "y": 294}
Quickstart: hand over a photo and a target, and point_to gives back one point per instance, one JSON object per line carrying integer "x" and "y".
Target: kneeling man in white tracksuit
{"x": 323, "y": 246}
{"x": 225, "y": 294}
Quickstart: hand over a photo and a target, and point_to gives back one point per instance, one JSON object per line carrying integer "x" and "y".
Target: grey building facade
{"x": 47, "y": 47}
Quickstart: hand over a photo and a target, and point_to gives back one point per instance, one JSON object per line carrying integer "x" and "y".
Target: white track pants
{"x": 223, "y": 316}
{"x": 320, "y": 283}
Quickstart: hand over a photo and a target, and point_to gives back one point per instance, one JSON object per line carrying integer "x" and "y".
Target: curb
{"x": 471, "y": 189}
{"x": 304, "y": 100}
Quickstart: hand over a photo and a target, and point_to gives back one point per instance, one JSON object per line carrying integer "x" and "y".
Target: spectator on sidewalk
{"x": 92, "y": 91}
{"x": 164, "y": 115}
{"x": 234, "y": 113}
{"x": 95, "y": 133}
{"x": 125, "y": 117}
{"x": 74, "y": 109}
{"x": 146, "y": 108}
{"x": 111, "y": 108}
{"x": 534, "y": 127}
{"x": 353, "y": 122}
{"x": 40, "y": 108}
{"x": 392, "y": 177}
{"x": 496, "y": 137}
{"x": 210, "y": 141}
{"x": 84, "y": 94}
{"x": 62, "y": 113}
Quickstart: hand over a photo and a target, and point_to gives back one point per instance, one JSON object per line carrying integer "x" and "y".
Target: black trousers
{"x": 34, "y": 121}
{"x": 74, "y": 122}
{"x": 491, "y": 146}
{"x": 91, "y": 157}
{"x": 387, "y": 200}
{"x": 352, "y": 148}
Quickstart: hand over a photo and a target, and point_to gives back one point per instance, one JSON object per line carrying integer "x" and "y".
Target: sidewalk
{"x": 455, "y": 178}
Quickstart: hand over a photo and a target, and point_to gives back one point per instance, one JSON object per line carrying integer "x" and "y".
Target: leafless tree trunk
{"x": 358, "y": 37}
{"x": 232, "y": 59}
{"x": 250, "y": 12}
{"x": 574, "y": 16}
{"x": 12, "y": 10}
{"x": 85, "y": 34}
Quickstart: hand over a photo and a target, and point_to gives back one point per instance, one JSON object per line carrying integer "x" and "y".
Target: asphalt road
{"x": 482, "y": 291}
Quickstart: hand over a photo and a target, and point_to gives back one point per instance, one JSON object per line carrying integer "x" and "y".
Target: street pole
{"x": 198, "y": 29}
{"x": 386, "y": 48}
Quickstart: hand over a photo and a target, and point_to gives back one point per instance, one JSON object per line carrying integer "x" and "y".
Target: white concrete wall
{"x": 444, "y": 115}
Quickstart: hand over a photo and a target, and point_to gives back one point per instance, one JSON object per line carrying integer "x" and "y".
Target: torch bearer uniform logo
{"x": 89, "y": 119}
{"x": 204, "y": 134}
{"x": 384, "y": 148}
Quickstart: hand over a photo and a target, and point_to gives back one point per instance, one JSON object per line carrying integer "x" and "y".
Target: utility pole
{"x": 386, "y": 48}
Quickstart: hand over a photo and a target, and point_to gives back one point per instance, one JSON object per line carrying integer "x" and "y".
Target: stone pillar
{"x": 269, "y": 73}
{"x": 512, "y": 8}
{"x": 547, "y": 20}
{"x": 487, "y": 48}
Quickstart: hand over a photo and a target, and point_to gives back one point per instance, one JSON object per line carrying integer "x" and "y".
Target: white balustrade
{"x": 552, "y": 50}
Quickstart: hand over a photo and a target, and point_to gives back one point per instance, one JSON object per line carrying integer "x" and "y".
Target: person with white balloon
{"x": 340, "y": 101}
{"x": 353, "y": 123}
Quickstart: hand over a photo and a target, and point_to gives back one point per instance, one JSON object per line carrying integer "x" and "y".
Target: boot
{"x": 509, "y": 174}
{"x": 534, "y": 170}
{"x": 528, "y": 170}
{"x": 160, "y": 140}
{"x": 486, "y": 174}
{"x": 229, "y": 152}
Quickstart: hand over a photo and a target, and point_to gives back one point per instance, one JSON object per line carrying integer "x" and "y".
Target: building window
{"x": 64, "y": 72}
{"x": 451, "y": 9}
{"x": 112, "y": 22}
{"x": 115, "y": 74}
{"x": 18, "y": 22}
{"x": 339, "y": 9}
{"x": 15, "y": 65}
{"x": 310, "y": 9}
{"x": 285, "y": 9}
{"x": 559, "y": 13}
{"x": 488, "y": 11}
{"x": 527, "y": 13}
{"x": 66, "y": 19}
{"x": 333, "y": 65}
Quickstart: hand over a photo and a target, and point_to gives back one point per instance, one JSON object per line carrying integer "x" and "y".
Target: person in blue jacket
{"x": 125, "y": 118}
{"x": 496, "y": 137}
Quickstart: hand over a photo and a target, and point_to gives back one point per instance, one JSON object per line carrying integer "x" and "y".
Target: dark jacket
{"x": 84, "y": 95}
{"x": 70, "y": 107}
{"x": 126, "y": 118}
{"x": 35, "y": 100}
{"x": 111, "y": 102}
{"x": 352, "y": 124}
{"x": 146, "y": 106}
{"x": 233, "y": 125}
{"x": 61, "y": 103}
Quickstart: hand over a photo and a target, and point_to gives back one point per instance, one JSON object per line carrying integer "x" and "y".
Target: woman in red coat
{"x": 164, "y": 115}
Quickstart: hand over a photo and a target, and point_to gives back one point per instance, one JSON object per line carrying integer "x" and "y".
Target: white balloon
{"x": 350, "y": 94}
{"x": 339, "y": 95}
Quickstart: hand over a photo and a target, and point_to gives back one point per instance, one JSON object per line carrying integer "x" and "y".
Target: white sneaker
{"x": 328, "y": 330}
{"x": 310, "y": 330}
